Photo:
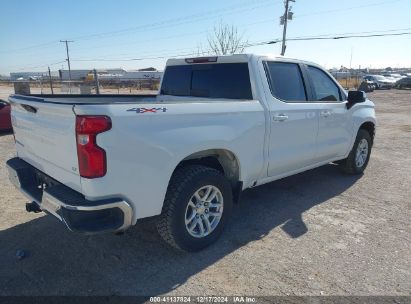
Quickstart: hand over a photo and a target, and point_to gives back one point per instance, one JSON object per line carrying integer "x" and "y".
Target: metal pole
{"x": 351, "y": 78}
{"x": 285, "y": 28}
{"x": 358, "y": 76}
{"x": 68, "y": 61}
{"x": 51, "y": 82}
{"x": 96, "y": 82}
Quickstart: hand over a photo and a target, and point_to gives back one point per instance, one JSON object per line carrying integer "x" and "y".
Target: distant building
{"x": 118, "y": 71}
{"x": 112, "y": 74}
{"x": 75, "y": 74}
{"x": 27, "y": 75}
{"x": 141, "y": 75}
{"x": 82, "y": 74}
{"x": 341, "y": 74}
{"x": 133, "y": 75}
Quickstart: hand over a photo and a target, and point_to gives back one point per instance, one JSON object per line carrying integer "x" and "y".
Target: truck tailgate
{"x": 45, "y": 137}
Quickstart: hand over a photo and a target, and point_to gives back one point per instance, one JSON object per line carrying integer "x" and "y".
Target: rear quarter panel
{"x": 143, "y": 149}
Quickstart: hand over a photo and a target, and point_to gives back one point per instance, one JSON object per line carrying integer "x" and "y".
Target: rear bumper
{"x": 69, "y": 206}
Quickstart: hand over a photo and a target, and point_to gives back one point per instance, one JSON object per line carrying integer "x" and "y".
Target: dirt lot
{"x": 317, "y": 233}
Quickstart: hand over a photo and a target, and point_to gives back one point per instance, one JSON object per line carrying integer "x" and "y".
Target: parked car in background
{"x": 403, "y": 83}
{"x": 367, "y": 86}
{"x": 5, "y": 120}
{"x": 394, "y": 75}
{"x": 393, "y": 80}
{"x": 380, "y": 81}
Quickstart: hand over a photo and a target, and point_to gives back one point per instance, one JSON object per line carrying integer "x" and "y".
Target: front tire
{"x": 197, "y": 206}
{"x": 357, "y": 160}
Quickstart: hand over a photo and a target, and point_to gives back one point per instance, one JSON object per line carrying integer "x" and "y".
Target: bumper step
{"x": 66, "y": 204}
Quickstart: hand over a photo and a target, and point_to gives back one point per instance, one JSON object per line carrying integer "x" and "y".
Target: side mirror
{"x": 355, "y": 97}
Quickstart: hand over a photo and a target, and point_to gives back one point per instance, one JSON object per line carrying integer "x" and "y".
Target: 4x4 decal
{"x": 145, "y": 110}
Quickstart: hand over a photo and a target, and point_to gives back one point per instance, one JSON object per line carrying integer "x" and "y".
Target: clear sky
{"x": 124, "y": 29}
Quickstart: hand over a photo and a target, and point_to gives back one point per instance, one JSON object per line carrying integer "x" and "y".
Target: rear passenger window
{"x": 324, "y": 88}
{"x": 286, "y": 82}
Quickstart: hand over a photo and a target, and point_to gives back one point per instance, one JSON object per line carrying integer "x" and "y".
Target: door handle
{"x": 325, "y": 113}
{"x": 280, "y": 117}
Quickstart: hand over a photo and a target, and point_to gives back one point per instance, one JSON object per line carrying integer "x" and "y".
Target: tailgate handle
{"x": 29, "y": 108}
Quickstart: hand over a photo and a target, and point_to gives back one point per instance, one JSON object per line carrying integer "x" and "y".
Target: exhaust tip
{"x": 33, "y": 207}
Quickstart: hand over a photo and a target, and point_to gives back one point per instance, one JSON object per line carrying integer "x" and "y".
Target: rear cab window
{"x": 217, "y": 80}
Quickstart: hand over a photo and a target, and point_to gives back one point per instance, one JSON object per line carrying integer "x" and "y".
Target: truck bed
{"x": 81, "y": 99}
{"x": 107, "y": 99}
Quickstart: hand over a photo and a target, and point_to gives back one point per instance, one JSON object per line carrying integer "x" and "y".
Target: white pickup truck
{"x": 219, "y": 125}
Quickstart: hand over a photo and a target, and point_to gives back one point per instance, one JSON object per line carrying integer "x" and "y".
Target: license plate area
{"x": 28, "y": 179}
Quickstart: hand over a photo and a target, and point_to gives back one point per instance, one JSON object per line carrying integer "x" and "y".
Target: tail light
{"x": 91, "y": 158}
{"x": 201, "y": 59}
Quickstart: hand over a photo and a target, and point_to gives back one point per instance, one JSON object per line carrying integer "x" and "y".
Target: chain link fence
{"x": 88, "y": 87}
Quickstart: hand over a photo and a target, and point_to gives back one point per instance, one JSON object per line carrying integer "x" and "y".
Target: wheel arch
{"x": 368, "y": 126}
{"x": 222, "y": 160}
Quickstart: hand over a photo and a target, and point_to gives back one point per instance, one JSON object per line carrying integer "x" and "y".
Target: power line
{"x": 30, "y": 47}
{"x": 259, "y": 22}
{"x": 41, "y": 66}
{"x": 144, "y": 41}
{"x": 157, "y": 52}
{"x": 232, "y": 9}
{"x": 348, "y": 36}
{"x": 308, "y": 38}
{"x": 356, "y": 33}
{"x": 346, "y": 9}
{"x": 194, "y": 17}
{"x": 160, "y": 24}
{"x": 259, "y": 43}
{"x": 203, "y": 32}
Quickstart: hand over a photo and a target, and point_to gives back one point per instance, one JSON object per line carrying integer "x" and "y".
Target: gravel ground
{"x": 316, "y": 233}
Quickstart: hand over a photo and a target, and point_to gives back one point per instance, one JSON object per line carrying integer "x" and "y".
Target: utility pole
{"x": 51, "y": 82}
{"x": 96, "y": 82}
{"x": 288, "y": 15}
{"x": 68, "y": 60}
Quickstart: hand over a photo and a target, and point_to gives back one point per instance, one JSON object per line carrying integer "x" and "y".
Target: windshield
{"x": 379, "y": 77}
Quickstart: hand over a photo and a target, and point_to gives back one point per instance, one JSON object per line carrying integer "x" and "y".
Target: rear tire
{"x": 357, "y": 160}
{"x": 191, "y": 220}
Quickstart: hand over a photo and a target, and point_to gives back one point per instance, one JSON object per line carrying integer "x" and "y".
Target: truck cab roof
{"x": 234, "y": 58}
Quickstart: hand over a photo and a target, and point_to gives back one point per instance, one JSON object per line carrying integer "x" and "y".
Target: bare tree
{"x": 200, "y": 49}
{"x": 226, "y": 40}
